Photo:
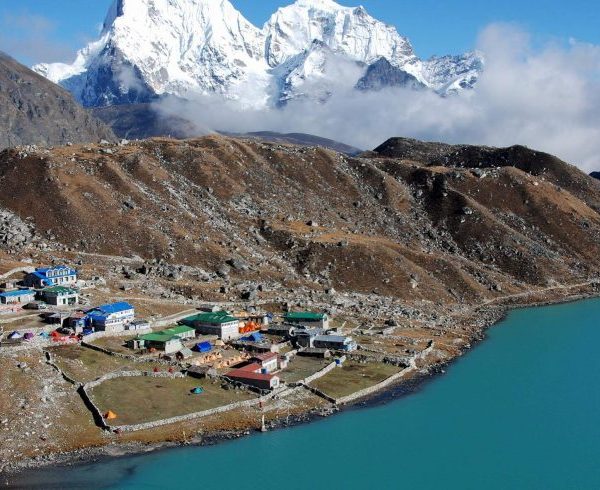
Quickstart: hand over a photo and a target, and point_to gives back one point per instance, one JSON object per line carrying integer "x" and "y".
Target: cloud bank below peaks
{"x": 547, "y": 98}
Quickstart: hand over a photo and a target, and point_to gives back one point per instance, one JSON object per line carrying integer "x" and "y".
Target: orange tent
{"x": 110, "y": 415}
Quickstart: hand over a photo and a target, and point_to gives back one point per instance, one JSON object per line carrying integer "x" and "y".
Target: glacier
{"x": 153, "y": 48}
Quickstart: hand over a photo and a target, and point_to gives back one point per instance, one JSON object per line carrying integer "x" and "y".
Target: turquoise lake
{"x": 521, "y": 410}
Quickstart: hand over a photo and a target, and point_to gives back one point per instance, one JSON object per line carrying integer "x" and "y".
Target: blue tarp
{"x": 203, "y": 347}
{"x": 253, "y": 337}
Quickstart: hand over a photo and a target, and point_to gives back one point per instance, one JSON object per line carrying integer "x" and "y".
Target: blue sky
{"x": 39, "y": 30}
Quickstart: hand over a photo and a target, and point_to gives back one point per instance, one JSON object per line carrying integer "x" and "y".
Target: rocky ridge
{"x": 420, "y": 227}
{"x": 35, "y": 111}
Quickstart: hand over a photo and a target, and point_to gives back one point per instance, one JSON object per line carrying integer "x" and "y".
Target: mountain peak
{"x": 153, "y": 47}
{"x": 318, "y": 4}
{"x": 348, "y": 31}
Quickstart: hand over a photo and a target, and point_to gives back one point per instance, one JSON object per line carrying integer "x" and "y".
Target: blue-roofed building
{"x": 20, "y": 296}
{"x": 59, "y": 275}
{"x": 113, "y": 317}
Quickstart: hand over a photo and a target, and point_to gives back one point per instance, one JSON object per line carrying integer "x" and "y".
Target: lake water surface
{"x": 522, "y": 410}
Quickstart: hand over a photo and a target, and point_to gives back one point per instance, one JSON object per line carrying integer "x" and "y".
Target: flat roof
{"x": 59, "y": 290}
{"x": 174, "y": 331}
{"x": 304, "y": 315}
{"x": 267, "y": 356}
{"x": 247, "y": 372}
{"x": 20, "y": 292}
{"x": 217, "y": 317}
{"x": 112, "y": 308}
{"x": 158, "y": 337}
{"x": 333, "y": 338}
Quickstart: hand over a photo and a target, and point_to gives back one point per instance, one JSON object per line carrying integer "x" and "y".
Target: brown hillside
{"x": 414, "y": 230}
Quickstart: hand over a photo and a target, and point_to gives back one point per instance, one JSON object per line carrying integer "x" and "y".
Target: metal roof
{"x": 112, "y": 308}
{"x": 158, "y": 337}
{"x": 166, "y": 335}
{"x": 267, "y": 356}
{"x": 218, "y": 317}
{"x": 43, "y": 271}
{"x": 248, "y": 372}
{"x": 20, "y": 292}
{"x": 304, "y": 315}
{"x": 177, "y": 330}
{"x": 333, "y": 338}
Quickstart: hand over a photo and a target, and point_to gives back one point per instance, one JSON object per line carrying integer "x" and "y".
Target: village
{"x": 134, "y": 373}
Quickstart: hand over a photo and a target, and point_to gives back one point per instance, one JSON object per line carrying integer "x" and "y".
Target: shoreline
{"x": 19, "y": 470}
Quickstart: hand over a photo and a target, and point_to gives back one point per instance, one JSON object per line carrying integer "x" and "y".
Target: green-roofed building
{"x": 168, "y": 340}
{"x": 307, "y": 318}
{"x": 219, "y": 323}
{"x": 60, "y": 296}
{"x": 182, "y": 331}
{"x": 159, "y": 341}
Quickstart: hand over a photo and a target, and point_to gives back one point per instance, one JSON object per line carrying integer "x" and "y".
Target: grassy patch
{"x": 84, "y": 365}
{"x": 301, "y": 367}
{"x": 115, "y": 344}
{"x": 145, "y": 399}
{"x": 353, "y": 377}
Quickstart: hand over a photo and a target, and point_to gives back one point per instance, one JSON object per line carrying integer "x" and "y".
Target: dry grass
{"x": 85, "y": 365}
{"x": 114, "y": 344}
{"x": 144, "y": 399}
{"x": 353, "y": 377}
{"x": 301, "y": 367}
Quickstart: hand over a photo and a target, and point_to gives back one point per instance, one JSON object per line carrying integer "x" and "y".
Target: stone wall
{"x": 89, "y": 402}
{"x": 320, "y": 393}
{"x": 124, "y": 333}
{"x": 129, "y": 357}
{"x": 330, "y": 367}
{"x": 50, "y": 361}
{"x": 26, "y": 270}
{"x": 386, "y": 382}
{"x": 191, "y": 416}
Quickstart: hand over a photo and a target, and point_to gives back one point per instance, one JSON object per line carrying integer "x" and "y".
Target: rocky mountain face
{"x": 150, "y": 48}
{"x": 382, "y": 74}
{"x": 36, "y": 111}
{"x": 416, "y": 221}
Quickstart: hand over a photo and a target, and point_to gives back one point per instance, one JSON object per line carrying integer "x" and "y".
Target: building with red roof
{"x": 254, "y": 375}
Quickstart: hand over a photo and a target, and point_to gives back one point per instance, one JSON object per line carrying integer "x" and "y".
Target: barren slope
{"x": 36, "y": 111}
{"x": 405, "y": 228}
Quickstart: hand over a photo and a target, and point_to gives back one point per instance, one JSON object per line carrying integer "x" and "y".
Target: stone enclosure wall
{"x": 386, "y": 382}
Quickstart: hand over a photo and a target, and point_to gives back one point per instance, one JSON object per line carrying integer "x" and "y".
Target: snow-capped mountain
{"x": 150, "y": 48}
{"x": 345, "y": 30}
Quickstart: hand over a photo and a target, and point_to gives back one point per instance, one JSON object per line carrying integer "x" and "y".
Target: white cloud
{"x": 546, "y": 98}
{"x": 128, "y": 79}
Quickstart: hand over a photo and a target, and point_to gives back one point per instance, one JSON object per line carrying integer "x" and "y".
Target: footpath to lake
{"x": 519, "y": 411}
